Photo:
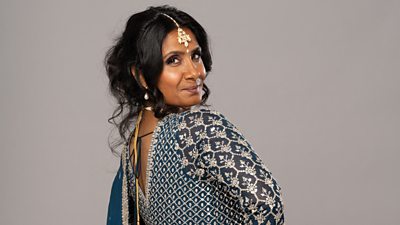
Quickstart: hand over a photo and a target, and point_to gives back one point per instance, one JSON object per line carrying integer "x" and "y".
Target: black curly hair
{"x": 140, "y": 47}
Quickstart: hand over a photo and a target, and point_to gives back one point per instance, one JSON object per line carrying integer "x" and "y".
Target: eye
{"x": 196, "y": 56}
{"x": 173, "y": 60}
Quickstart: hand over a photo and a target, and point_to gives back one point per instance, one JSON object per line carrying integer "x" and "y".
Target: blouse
{"x": 201, "y": 170}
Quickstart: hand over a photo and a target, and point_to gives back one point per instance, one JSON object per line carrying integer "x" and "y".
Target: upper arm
{"x": 214, "y": 149}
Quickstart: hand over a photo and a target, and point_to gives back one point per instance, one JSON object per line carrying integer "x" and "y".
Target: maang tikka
{"x": 183, "y": 38}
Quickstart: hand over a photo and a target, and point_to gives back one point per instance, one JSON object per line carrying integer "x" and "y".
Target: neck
{"x": 148, "y": 116}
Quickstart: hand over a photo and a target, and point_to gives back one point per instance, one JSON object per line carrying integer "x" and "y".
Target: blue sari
{"x": 121, "y": 210}
{"x": 115, "y": 204}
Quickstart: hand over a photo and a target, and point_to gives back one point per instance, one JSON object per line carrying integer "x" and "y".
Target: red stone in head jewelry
{"x": 183, "y": 38}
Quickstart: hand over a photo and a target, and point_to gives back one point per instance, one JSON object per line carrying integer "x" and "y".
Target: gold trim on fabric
{"x": 125, "y": 204}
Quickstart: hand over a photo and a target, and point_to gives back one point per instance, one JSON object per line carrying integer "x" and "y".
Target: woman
{"x": 182, "y": 163}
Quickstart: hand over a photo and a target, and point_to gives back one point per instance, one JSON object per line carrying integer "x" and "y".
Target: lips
{"x": 193, "y": 89}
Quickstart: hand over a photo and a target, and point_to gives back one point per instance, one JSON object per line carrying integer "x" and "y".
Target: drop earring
{"x": 146, "y": 97}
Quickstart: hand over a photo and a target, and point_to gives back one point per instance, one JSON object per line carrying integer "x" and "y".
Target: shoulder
{"x": 206, "y": 123}
{"x": 203, "y": 116}
{"x": 200, "y": 110}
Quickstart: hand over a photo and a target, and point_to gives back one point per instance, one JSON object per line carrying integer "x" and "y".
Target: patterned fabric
{"x": 201, "y": 170}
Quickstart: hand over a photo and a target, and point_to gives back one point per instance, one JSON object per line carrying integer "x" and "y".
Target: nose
{"x": 192, "y": 70}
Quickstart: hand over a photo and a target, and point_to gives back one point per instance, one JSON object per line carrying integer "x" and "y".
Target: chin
{"x": 190, "y": 104}
{"x": 186, "y": 102}
{"x": 197, "y": 102}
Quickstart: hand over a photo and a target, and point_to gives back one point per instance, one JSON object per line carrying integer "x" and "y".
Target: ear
{"x": 141, "y": 81}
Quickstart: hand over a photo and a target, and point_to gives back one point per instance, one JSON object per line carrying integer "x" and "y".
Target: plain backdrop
{"x": 313, "y": 85}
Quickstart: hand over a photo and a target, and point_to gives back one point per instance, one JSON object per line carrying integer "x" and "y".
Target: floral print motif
{"x": 221, "y": 153}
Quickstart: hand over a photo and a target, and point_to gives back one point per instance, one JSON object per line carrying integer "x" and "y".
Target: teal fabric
{"x": 114, "y": 215}
{"x": 115, "y": 204}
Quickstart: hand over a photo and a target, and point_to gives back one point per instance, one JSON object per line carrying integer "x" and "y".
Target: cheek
{"x": 169, "y": 81}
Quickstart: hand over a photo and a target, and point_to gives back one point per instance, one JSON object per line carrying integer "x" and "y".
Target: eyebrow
{"x": 198, "y": 48}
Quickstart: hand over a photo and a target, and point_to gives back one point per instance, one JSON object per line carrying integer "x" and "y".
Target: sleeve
{"x": 214, "y": 149}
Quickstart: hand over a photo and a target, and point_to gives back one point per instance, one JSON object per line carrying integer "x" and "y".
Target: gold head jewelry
{"x": 183, "y": 38}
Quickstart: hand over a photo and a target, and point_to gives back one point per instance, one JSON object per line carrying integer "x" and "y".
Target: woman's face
{"x": 182, "y": 67}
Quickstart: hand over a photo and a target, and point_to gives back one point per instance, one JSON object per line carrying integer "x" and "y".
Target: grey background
{"x": 314, "y": 86}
